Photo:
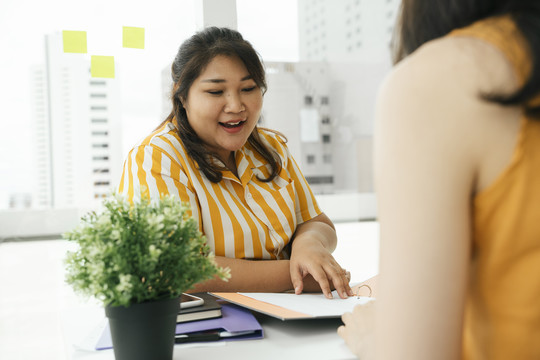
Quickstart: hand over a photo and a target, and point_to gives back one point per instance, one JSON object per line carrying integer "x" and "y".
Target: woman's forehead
{"x": 224, "y": 68}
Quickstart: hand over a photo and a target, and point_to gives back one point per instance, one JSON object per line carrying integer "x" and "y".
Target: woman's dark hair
{"x": 420, "y": 21}
{"x": 192, "y": 58}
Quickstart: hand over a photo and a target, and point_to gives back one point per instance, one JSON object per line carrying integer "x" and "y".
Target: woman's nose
{"x": 234, "y": 104}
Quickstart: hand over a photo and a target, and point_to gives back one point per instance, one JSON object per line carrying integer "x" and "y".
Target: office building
{"x": 320, "y": 106}
{"x": 349, "y": 42}
{"x": 76, "y": 130}
{"x": 297, "y": 104}
{"x": 348, "y": 30}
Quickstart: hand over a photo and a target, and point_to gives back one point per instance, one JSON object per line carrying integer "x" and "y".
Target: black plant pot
{"x": 143, "y": 331}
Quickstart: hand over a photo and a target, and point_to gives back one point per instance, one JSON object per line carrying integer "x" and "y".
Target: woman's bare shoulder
{"x": 437, "y": 92}
{"x": 456, "y": 65}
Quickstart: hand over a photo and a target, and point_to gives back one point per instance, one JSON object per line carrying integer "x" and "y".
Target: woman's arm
{"x": 250, "y": 276}
{"x": 254, "y": 276}
{"x": 435, "y": 145}
{"x": 312, "y": 245}
{"x": 311, "y": 268}
{"x": 423, "y": 182}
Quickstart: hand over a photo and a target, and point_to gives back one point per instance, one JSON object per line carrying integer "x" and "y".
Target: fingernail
{"x": 329, "y": 296}
{"x": 297, "y": 290}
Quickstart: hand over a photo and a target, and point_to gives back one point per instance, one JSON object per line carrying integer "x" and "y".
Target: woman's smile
{"x": 223, "y": 105}
{"x": 233, "y": 126}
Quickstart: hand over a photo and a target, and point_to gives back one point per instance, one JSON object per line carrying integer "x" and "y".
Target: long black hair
{"x": 192, "y": 58}
{"x": 420, "y": 21}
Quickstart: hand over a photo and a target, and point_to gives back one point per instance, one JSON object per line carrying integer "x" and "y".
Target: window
{"x": 310, "y": 159}
{"x": 308, "y": 100}
{"x": 326, "y": 138}
{"x": 327, "y": 158}
{"x": 319, "y": 180}
{"x": 324, "y": 100}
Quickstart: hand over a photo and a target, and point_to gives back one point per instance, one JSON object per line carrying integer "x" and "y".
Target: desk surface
{"x": 300, "y": 339}
{"x": 313, "y": 339}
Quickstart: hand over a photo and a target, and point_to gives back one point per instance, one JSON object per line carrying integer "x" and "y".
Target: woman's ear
{"x": 182, "y": 101}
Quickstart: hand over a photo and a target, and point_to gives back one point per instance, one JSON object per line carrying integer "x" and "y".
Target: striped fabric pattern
{"x": 241, "y": 217}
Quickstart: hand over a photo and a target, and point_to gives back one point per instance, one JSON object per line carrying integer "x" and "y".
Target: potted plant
{"x": 137, "y": 259}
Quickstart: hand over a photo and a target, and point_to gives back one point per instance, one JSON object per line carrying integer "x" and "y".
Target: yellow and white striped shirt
{"x": 241, "y": 217}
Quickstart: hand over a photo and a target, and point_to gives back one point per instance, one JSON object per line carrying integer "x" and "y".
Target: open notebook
{"x": 288, "y": 306}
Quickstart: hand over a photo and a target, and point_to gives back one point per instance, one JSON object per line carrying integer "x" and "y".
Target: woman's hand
{"x": 359, "y": 329}
{"x": 311, "y": 255}
{"x": 311, "y": 258}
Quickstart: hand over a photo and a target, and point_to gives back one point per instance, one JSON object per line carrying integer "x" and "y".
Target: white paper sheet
{"x": 312, "y": 304}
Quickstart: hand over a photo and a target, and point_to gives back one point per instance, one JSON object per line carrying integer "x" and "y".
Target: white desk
{"x": 303, "y": 339}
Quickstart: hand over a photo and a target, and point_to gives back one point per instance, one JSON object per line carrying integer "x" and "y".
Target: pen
{"x": 208, "y": 336}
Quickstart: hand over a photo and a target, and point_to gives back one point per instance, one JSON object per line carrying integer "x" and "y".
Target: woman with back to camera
{"x": 458, "y": 186}
{"x": 250, "y": 198}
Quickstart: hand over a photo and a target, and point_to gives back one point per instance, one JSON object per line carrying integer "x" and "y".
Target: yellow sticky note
{"x": 133, "y": 37}
{"x": 74, "y": 41}
{"x": 102, "y": 66}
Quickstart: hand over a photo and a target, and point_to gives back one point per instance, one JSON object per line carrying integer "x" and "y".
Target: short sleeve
{"x": 149, "y": 171}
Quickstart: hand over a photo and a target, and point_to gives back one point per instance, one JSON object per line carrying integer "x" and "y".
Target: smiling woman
{"x": 223, "y": 107}
{"x": 243, "y": 186}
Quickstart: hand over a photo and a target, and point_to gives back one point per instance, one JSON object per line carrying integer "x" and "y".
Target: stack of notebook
{"x": 235, "y": 323}
{"x": 208, "y": 310}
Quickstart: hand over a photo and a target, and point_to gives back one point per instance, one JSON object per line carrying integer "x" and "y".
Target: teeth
{"x": 232, "y": 124}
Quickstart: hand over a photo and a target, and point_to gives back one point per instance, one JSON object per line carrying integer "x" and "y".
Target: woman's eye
{"x": 249, "y": 89}
{"x": 215, "y": 92}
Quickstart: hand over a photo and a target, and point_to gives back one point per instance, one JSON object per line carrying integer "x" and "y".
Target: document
{"x": 316, "y": 305}
{"x": 288, "y": 306}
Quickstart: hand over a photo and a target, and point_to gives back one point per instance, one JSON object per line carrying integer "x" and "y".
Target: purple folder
{"x": 234, "y": 319}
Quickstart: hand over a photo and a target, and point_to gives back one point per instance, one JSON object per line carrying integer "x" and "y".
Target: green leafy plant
{"x": 132, "y": 253}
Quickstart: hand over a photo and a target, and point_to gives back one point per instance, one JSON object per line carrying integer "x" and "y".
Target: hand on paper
{"x": 359, "y": 329}
{"x": 314, "y": 260}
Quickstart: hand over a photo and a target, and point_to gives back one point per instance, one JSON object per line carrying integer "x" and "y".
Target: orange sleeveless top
{"x": 502, "y": 316}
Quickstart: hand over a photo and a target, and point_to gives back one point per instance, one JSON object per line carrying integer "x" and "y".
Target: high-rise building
{"x": 344, "y": 51}
{"x": 347, "y": 30}
{"x": 76, "y": 130}
{"x": 41, "y": 139}
{"x": 326, "y": 111}
{"x": 297, "y": 104}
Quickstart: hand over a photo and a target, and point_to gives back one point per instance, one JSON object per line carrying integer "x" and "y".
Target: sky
{"x": 270, "y": 25}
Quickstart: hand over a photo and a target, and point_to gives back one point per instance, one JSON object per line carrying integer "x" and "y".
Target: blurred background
{"x": 64, "y": 134}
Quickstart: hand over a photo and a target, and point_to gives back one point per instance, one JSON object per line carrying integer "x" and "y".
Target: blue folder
{"x": 234, "y": 319}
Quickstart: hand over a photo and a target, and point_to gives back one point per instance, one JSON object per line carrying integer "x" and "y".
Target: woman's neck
{"x": 231, "y": 163}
